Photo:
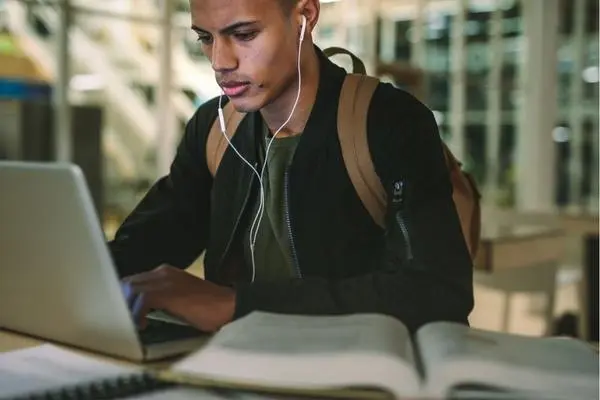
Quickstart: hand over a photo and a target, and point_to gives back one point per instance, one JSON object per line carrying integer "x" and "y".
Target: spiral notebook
{"x": 50, "y": 372}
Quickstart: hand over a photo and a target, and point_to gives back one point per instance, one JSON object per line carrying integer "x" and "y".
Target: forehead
{"x": 215, "y": 14}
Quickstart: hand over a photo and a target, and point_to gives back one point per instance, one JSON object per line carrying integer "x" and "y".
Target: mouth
{"x": 234, "y": 89}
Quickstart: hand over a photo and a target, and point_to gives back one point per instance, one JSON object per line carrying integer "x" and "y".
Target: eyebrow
{"x": 228, "y": 29}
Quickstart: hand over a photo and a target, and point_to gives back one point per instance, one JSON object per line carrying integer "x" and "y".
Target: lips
{"x": 234, "y": 89}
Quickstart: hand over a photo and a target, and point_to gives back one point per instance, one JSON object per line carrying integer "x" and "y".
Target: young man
{"x": 317, "y": 250}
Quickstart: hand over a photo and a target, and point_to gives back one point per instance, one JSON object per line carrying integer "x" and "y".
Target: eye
{"x": 245, "y": 36}
{"x": 204, "y": 39}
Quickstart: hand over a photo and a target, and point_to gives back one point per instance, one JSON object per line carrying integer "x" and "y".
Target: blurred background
{"x": 513, "y": 84}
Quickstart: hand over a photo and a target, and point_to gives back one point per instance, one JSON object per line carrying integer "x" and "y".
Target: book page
{"x": 193, "y": 393}
{"x": 455, "y": 354}
{"x": 307, "y": 352}
{"x": 48, "y": 367}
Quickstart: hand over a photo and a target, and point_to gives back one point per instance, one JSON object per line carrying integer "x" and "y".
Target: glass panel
{"x": 561, "y": 135}
{"x": 590, "y": 74}
{"x": 588, "y": 160}
{"x": 566, "y": 58}
{"x": 512, "y": 32}
{"x": 506, "y": 179}
{"x": 403, "y": 40}
{"x": 477, "y": 43}
{"x": 437, "y": 59}
{"x": 475, "y": 143}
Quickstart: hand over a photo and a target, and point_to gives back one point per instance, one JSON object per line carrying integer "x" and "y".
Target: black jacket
{"x": 345, "y": 262}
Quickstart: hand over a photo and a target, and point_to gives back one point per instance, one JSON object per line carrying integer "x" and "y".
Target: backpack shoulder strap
{"x": 355, "y": 98}
{"x": 358, "y": 67}
{"x": 216, "y": 144}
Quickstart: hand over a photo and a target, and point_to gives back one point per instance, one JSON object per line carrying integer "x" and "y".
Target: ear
{"x": 309, "y": 9}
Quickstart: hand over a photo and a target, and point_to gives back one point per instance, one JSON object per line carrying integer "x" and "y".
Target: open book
{"x": 373, "y": 356}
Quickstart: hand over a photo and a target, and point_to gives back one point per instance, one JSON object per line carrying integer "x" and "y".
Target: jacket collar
{"x": 323, "y": 117}
{"x": 324, "y": 110}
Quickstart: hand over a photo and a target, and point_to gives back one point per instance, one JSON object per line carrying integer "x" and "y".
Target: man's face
{"x": 252, "y": 46}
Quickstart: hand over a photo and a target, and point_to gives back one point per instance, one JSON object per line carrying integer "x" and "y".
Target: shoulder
{"x": 395, "y": 108}
{"x": 192, "y": 145}
{"x": 204, "y": 116}
{"x": 402, "y": 132}
{"x": 199, "y": 125}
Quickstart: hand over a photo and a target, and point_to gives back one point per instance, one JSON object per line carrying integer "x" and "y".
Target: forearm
{"x": 140, "y": 253}
{"x": 157, "y": 232}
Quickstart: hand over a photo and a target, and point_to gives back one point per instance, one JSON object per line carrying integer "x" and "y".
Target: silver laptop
{"x": 57, "y": 279}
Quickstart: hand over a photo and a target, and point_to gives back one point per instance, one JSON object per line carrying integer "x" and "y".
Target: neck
{"x": 276, "y": 113}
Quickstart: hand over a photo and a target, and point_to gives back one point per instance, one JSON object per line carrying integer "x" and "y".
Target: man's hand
{"x": 203, "y": 304}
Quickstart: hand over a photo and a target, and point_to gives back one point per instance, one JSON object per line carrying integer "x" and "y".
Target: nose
{"x": 223, "y": 58}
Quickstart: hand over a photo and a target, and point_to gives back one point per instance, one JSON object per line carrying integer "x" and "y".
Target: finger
{"x": 157, "y": 273}
{"x": 126, "y": 289}
{"x": 151, "y": 287}
{"x": 133, "y": 293}
{"x": 129, "y": 293}
{"x": 140, "y": 309}
{"x": 149, "y": 276}
{"x": 141, "y": 298}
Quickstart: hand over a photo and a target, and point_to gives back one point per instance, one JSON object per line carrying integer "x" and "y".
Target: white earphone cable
{"x": 279, "y": 130}
{"x": 260, "y": 211}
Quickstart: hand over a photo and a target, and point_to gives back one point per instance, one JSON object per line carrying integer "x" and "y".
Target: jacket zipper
{"x": 398, "y": 200}
{"x": 289, "y": 224}
{"x": 239, "y": 218}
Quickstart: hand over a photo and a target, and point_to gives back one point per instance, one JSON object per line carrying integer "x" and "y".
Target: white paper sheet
{"x": 48, "y": 367}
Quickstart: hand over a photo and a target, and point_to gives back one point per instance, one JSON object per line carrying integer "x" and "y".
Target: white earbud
{"x": 303, "y": 29}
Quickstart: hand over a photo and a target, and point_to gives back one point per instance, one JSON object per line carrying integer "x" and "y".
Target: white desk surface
{"x": 10, "y": 341}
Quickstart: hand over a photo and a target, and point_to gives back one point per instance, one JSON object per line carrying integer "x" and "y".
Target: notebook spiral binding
{"x": 110, "y": 388}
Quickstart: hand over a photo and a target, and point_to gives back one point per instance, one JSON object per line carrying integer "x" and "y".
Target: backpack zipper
{"x": 398, "y": 200}
{"x": 289, "y": 224}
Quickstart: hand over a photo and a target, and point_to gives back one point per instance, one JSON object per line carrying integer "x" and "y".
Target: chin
{"x": 245, "y": 105}
{"x": 244, "y": 108}
{"x": 249, "y": 103}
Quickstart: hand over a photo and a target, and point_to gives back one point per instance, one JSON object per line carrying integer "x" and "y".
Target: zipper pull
{"x": 398, "y": 193}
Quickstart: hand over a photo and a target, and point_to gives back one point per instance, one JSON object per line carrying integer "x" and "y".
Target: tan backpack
{"x": 356, "y": 94}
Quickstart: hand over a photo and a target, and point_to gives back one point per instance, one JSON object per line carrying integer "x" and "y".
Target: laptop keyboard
{"x": 159, "y": 332}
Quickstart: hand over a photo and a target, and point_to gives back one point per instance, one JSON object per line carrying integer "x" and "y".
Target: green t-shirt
{"x": 272, "y": 250}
